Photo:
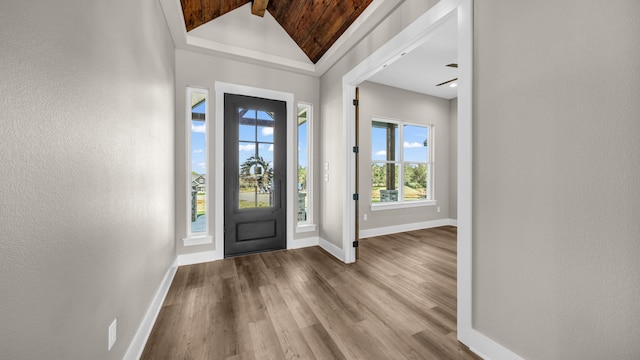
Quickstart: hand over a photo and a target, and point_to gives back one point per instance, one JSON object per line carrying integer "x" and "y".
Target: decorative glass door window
{"x": 256, "y": 146}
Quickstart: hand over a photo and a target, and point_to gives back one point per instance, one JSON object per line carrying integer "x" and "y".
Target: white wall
{"x": 378, "y": 100}
{"x": 332, "y": 200}
{"x": 86, "y": 184}
{"x": 557, "y": 168}
{"x": 195, "y": 69}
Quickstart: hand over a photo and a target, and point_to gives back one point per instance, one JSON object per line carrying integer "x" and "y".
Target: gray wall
{"x": 332, "y": 149}
{"x": 453, "y": 158}
{"x": 199, "y": 70}
{"x": 378, "y": 100}
{"x": 556, "y": 174}
{"x": 86, "y": 189}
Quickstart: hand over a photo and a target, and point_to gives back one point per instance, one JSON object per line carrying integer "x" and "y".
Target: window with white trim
{"x": 197, "y": 160}
{"x": 401, "y": 162}
{"x": 304, "y": 162}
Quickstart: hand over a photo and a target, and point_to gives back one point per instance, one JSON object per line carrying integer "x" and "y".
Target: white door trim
{"x": 222, "y": 88}
{"x": 409, "y": 38}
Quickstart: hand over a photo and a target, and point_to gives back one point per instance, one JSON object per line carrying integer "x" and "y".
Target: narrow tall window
{"x": 197, "y": 159}
{"x": 401, "y": 165}
{"x": 304, "y": 164}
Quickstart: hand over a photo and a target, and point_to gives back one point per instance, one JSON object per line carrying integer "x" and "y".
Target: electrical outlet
{"x": 365, "y": 217}
{"x": 438, "y": 208}
{"x": 112, "y": 333}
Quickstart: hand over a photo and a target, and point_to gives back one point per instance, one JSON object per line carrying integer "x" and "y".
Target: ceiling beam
{"x": 258, "y": 7}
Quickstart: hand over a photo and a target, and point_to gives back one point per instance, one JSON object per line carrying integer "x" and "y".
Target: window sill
{"x": 402, "y": 205}
{"x": 306, "y": 228}
{"x": 194, "y": 240}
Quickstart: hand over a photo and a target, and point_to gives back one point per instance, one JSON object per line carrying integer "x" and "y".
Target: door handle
{"x": 279, "y": 194}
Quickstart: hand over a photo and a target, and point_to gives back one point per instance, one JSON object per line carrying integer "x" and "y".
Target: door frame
{"x": 222, "y": 88}
{"x": 409, "y": 38}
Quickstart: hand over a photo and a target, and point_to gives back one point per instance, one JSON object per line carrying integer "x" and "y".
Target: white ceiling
{"x": 245, "y": 37}
{"x": 424, "y": 67}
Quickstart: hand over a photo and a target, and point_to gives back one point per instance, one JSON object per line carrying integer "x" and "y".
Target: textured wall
{"x": 86, "y": 177}
{"x": 198, "y": 70}
{"x": 392, "y": 103}
{"x": 557, "y": 168}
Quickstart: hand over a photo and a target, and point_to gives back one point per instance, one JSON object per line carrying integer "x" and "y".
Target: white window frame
{"x": 401, "y": 203}
{"x": 199, "y": 238}
{"x": 308, "y": 225}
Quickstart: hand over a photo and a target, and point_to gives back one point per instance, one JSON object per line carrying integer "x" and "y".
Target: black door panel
{"x": 255, "y": 175}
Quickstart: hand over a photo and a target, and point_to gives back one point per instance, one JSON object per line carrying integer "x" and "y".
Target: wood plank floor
{"x": 397, "y": 302}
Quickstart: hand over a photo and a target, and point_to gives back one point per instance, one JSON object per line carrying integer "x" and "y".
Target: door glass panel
{"x": 265, "y": 124}
{"x": 247, "y": 133}
{"x": 265, "y": 134}
{"x": 247, "y": 115}
{"x": 255, "y": 160}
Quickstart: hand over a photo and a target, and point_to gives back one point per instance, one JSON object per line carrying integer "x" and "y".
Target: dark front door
{"x": 255, "y": 165}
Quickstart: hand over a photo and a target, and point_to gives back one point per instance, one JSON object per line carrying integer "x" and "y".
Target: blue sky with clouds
{"x": 413, "y": 143}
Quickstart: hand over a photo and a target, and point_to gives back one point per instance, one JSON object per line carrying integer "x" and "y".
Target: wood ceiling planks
{"x": 314, "y": 25}
{"x": 198, "y": 12}
{"x": 259, "y": 7}
{"x": 333, "y": 22}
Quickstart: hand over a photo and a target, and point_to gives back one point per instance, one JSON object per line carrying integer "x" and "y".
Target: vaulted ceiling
{"x": 227, "y": 29}
{"x": 314, "y": 25}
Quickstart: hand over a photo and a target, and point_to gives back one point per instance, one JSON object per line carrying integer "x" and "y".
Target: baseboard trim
{"x": 332, "y": 249}
{"x": 198, "y": 258}
{"x": 303, "y": 243}
{"x": 488, "y": 349}
{"x": 207, "y": 256}
{"x": 406, "y": 227}
{"x": 144, "y": 330}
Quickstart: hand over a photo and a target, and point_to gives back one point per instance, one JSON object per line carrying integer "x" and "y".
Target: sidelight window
{"x": 304, "y": 162}
{"x": 197, "y": 160}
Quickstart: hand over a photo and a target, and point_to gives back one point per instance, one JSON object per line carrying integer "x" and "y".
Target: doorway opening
{"x": 407, "y": 40}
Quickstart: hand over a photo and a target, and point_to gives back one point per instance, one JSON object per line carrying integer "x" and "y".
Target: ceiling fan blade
{"x": 448, "y": 81}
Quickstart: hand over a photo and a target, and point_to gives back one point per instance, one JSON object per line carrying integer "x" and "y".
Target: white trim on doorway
{"x": 222, "y": 88}
{"x": 332, "y": 249}
{"x": 394, "y": 229}
{"x": 408, "y": 39}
